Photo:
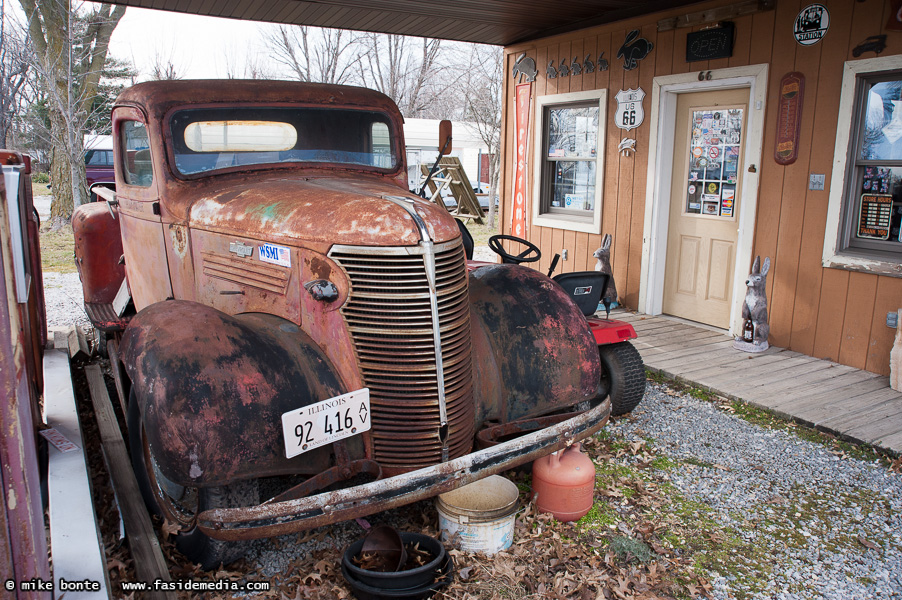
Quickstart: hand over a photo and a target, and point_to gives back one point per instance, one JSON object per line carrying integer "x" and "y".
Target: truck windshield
{"x": 210, "y": 139}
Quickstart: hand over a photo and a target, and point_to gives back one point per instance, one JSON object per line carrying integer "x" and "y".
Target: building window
{"x": 864, "y": 229}
{"x": 569, "y": 161}
{"x": 874, "y": 201}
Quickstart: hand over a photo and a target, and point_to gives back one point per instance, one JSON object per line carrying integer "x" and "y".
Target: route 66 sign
{"x": 629, "y": 113}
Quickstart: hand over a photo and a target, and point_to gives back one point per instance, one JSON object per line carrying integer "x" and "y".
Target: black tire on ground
{"x": 623, "y": 375}
{"x": 190, "y": 541}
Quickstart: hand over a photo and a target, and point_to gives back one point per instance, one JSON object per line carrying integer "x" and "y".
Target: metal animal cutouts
{"x": 588, "y": 65}
{"x": 754, "y": 308}
{"x": 875, "y": 44}
{"x": 633, "y": 50}
{"x": 626, "y": 146}
{"x": 525, "y": 67}
{"x": 551, "y": 72}
{"x": 563, "y": 70}
{"x": 575, "y": 67}
{"x": 602, "y": 62}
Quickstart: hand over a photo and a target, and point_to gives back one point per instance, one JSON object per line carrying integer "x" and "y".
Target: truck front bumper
{"x": 291, "y": 516}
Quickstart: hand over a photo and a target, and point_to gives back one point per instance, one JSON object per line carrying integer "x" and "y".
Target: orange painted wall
{"x": 827, "y": 313}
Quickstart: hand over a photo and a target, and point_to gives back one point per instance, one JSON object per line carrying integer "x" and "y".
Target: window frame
{"x": 395, "y": 136}
{"x": 540, "y": 185}
{"x": 839, "y": 251}
{"x": 127, "y": 174}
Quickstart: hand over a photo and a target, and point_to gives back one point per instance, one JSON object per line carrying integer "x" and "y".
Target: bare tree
{"x": 13, "y": 73}
{"x": 163, "y": 66}
{"x": 482, "y": 85}
{"x": 315, "y": 54}
{"x": 407, "y": 70}
{"x": 71, "y": 45}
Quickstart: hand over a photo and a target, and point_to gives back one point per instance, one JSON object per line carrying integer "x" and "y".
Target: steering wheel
{"x": 525, "y": 256}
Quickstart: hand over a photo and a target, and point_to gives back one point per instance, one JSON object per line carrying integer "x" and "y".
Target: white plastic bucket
{"x": 481, "y": 515}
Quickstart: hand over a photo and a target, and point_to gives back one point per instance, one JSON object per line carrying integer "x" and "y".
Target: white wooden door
{"x": 704, "y": 210}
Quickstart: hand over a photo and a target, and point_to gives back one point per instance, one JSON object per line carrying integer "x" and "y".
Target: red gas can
{"x": 563, "y": 483}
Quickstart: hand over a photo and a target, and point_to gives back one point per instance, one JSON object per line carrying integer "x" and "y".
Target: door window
{"x": 136, "y": 165}
{"x": 714, "y": 147}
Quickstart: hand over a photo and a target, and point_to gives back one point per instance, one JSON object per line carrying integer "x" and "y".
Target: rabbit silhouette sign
{"x": 754, "y": 310}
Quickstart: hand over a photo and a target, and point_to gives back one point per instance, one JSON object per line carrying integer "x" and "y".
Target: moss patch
{"x": 600, "y": 516}
{"x": 698, "y": 463}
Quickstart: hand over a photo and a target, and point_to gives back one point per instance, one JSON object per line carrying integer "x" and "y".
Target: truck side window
{"x": 381, "y": 150}
{"x": 136, "y": 154}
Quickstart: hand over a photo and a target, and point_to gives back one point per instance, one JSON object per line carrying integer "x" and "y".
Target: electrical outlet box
{"x": 564, "y": 254}
{"x": 816, "y": 181}
{"x": 892, "y": 319}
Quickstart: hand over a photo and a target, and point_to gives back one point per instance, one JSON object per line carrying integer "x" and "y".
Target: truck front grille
{"x": 390, "y": 318}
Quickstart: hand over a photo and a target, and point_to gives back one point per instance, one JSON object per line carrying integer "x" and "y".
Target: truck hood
{"x": 320, "y": 210}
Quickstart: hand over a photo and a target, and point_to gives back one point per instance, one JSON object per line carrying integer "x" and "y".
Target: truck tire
{"x": 622, "y": 375}
{"x": 160, "y": 498}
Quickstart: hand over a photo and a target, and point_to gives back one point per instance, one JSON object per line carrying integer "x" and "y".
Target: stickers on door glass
{"x": 714, "y": 168}
{"x": 714, "y": 149}
{"x": 727, "y": 196}
{"x": 694, "y": 192}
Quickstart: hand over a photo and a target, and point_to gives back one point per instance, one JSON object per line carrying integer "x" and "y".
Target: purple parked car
{"x": 99, "y": 167}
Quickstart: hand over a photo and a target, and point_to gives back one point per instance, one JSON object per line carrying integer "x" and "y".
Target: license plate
{"x": 325, "y": 422}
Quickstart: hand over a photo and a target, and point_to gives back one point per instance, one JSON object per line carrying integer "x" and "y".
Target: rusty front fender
{"x": 212, "y": 389}
{"x": 543, "y": 355}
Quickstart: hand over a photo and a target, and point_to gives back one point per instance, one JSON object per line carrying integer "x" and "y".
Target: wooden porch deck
{"x": 850, "y": 403}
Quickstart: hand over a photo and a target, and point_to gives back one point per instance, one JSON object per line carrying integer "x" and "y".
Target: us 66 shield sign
{"x": 325, "y": 422}
{"x": 629, "y": 113}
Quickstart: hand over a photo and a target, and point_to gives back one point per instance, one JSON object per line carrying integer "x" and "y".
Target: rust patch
{"x": 320, "y": 268}
{"x": 179, "y": 235}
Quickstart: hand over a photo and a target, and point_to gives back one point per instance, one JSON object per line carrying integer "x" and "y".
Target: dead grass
{"x": 58, "y": 250}
{"x": 482, "y": 233}
{"x": 40, "y": 189}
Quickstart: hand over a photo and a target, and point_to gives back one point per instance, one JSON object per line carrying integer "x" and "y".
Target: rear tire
{"x": 623, "y": 375}
{"x": 160, "y": 498}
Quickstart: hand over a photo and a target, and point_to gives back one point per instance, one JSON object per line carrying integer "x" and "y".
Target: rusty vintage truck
{"x": 297, "y": 338}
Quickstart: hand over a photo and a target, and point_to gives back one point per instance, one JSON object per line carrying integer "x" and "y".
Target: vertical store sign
{"x": 518, "y": 214}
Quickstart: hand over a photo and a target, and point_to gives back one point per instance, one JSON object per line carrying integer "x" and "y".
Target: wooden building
{"x": 783, "y": 148}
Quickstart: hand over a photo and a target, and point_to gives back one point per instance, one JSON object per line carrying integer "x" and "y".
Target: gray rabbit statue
{"x": 603, "y": 255}
{"x": 755, "y": 308}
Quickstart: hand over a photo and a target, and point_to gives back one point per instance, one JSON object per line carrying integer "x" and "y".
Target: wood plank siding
{"x": 828, "y": 313}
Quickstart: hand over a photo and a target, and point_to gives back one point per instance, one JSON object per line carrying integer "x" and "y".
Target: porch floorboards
{"x": 840, "y": 400}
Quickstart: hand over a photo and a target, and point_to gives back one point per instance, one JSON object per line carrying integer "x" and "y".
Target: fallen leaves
{"x": 867, "y": 543}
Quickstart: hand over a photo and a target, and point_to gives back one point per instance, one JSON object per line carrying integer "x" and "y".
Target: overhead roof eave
{"x": 498, "y": 22}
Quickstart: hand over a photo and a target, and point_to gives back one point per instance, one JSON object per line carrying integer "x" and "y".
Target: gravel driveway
{"x": 797, "y": 520}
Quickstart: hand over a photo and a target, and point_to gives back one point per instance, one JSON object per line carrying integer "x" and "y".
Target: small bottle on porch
{"x": 748, "y": 331}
